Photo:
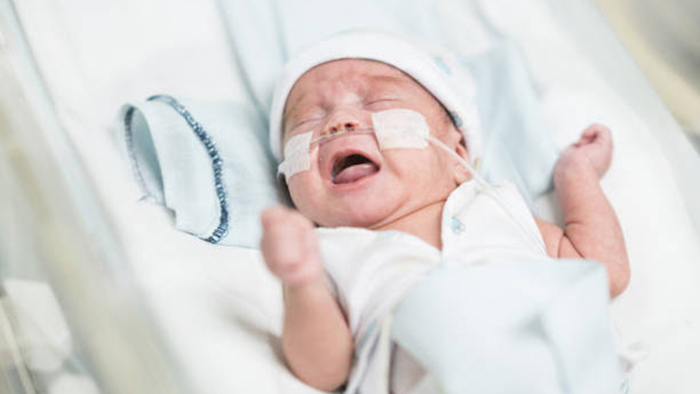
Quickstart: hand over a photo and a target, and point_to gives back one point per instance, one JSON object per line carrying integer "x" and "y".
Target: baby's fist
{"x": 593, "y": 149}
{"x": 289, "y": 246}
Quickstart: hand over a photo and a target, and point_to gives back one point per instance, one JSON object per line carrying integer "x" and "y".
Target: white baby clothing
{"x": 371, "y": 270}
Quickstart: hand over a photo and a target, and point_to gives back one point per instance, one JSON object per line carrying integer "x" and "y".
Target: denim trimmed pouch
{"x": 205, "y": 161}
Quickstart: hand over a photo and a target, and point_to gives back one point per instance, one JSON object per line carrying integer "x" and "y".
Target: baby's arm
{"x": 591, "y": 227}
{"x": 316, "y": 339}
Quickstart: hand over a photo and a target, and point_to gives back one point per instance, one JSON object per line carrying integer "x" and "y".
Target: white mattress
{"x": 219, "y": 308}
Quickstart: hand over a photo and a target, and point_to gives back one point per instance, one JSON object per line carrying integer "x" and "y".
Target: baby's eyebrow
{"x": 390, "y": 79}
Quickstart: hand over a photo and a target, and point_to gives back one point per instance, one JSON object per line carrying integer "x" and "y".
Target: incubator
{"x": 100, "y": 294}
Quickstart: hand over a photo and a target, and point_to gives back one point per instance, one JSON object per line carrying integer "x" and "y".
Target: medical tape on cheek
{"x": 394, "y": 129}
{"x": 400, "y": 128}
{"x": 296, "y": 155}
{"x": 405, "y": 128}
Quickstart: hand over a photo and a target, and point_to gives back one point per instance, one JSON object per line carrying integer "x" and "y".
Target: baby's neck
{"x": 425, "y": 223}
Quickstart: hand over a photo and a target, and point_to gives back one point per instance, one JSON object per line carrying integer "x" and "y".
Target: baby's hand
{"x": 289, "y": 246}
{"x": 593, "y": 149}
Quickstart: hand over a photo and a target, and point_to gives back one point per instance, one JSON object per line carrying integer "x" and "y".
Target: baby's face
{"x": 350, "y": 181}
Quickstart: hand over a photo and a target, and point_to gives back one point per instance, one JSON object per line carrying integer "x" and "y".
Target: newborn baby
{"x": 350, "y": 188}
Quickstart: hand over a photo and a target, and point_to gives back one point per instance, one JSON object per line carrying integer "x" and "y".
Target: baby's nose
{"x": 342, "y": 126}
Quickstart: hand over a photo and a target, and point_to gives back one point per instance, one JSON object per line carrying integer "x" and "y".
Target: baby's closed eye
{"x": 307, "y": 122}
{"x": 307, "y": 119}
{"x": 380, "y": 103}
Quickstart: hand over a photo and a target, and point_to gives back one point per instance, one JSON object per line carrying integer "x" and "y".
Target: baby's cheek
{"x": 414, "y": 163}
{"x": 305, "y": 195}
{"x": 297, "y": 191}
{"x": 436, "y": 174}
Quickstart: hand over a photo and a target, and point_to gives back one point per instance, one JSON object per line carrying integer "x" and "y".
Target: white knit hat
{"x": 436, "y": 69}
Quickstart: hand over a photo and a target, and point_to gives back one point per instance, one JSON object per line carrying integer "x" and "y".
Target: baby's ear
{"x": 455, "y": 139}
{"x": 461, "y": 147}
{"x": 461, "y": 174}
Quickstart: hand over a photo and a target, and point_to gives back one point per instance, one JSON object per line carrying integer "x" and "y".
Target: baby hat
{"x": 438, "y": 70}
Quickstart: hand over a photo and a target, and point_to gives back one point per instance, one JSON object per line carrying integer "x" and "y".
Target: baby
{"x": 352, "y": 189}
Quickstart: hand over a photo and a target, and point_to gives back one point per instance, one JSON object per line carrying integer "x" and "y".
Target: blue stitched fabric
{"x": 205, "y": 161}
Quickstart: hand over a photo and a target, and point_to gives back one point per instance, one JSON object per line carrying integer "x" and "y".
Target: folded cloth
{"x": 206, "y": 161}
{"x": 512, "y": 327}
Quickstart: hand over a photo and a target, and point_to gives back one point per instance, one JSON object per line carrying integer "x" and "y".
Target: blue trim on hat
{"x": 441, "y": 63}
{"x": 456, "y": 119}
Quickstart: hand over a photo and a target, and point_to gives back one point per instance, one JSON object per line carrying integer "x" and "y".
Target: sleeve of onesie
{"x": 514, "y": 203}
{"x": 333, "y": 287}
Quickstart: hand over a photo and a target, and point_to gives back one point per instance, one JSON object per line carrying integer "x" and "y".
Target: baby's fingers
{"x": 275, "y": 215}
{"x": 284, "y": 240}
{"x": 280, "y": 247}
{"x": 595, "y": 134}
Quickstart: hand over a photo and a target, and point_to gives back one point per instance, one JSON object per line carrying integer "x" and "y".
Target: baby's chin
{"x": 369, "y": 215}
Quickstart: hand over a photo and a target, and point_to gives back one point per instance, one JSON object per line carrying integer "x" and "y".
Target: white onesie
{"x": 371, "y": 270}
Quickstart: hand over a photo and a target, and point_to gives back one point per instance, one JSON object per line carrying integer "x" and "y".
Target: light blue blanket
{"x": 206, "y": 161}
{"x": 512, "y": 327}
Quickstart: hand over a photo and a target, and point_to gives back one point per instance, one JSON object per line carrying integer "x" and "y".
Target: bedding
{"x": 220, "y": 307}
{"x": 207, "y": 161}
{"x": 543, "y": 327}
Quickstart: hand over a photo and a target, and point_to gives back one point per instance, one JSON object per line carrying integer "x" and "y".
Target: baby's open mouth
{"x": 351, "y": 168}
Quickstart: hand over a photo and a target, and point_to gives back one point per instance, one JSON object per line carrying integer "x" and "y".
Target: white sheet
{"x": 219, "y": 307}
